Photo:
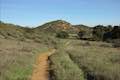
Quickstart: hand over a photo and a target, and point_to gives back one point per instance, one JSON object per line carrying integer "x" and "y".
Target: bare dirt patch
{"x": 41, "y": 68}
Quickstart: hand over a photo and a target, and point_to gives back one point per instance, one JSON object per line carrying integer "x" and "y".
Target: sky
{"x": 37, "y": 12}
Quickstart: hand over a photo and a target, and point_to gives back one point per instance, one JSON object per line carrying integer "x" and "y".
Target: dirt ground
{"x": 41, "y": 68}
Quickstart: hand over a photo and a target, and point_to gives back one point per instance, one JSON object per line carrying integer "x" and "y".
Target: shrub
{"x": 116, "y": 32}
{"x": 81, "y": 34}
{"x": 62, "y": 34}
{"x": 100, "y": 32}
{"x": 63, "y": 68}
{"x": 105, "y": 45}
{"x": 107, "y": 36}
{"x": 116, "y": 43}
{"x": 85, "y": 44}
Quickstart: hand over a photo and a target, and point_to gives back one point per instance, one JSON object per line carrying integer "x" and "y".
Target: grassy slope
{"x": 98, "y": 60}
{"x": 62, "y": 67}
{"x": 18, "y": 48}
{"x": 17, "y": 58}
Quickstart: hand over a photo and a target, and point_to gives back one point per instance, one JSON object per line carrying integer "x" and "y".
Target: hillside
{"x": 58, "y": 25}
{"x": 98, "y": 32}
{"x": 74, "y": 58}
{"x": 18, "y": 32}
{"x": 10, "y": 30}
{"x": 86, "y": 29}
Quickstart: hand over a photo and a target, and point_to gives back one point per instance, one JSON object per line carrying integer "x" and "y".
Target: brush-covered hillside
{"x": 12, "y": 31}
{"x": 58, "y": 25}
{"x": 81, "y": 52}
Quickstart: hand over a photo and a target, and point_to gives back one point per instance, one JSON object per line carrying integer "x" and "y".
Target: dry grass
{"x": 17, "y": 58}
{"x": 63, "y": 68}
{"x": 98, "y": 62}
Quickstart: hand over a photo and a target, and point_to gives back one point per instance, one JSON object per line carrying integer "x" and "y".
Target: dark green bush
{"x": 98, "y": 32}
{"x": 81, "y": 34}
{"x": 101, "y": 32}
{"x": 116, "y": 43}
{"x": 62, "y": 34}
{"x": 116, "y": 32}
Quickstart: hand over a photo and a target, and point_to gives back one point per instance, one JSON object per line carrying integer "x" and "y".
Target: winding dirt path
{"x": 41, "y": 68}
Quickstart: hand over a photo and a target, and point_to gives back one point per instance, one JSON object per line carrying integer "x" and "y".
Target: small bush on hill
{"x": 81, "y": 34}
{"x": 62, "y": 34}
{"x": 116, "y": 32}
{"x": 116, "y": 43}
{"x": 105, "y": 45}
{"x": 98, "y": 32}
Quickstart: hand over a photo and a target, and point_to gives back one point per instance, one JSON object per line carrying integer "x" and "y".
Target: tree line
{"x": 105, "y": 33}
{"x": 99, "y": 33}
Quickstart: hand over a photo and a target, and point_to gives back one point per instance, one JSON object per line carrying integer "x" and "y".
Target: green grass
{"x": 18, "y": 73}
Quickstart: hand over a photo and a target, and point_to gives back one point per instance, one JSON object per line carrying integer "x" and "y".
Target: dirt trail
{"x": 41, "y": 68}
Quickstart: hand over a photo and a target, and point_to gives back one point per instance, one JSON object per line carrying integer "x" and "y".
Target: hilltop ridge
{"x": 15, "y": 31}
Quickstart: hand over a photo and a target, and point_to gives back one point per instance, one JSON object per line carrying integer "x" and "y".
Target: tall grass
{"x": 97, "y": 62}
{"x": 17, "y": 58}
{"x": 63, "y": 68}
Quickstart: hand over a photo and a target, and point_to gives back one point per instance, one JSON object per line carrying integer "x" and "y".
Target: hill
{"x": 56, "y": 25}
{"x": 10, "y": 30}
{"x": 53, "y": 26}
{"x": 86, "y": 29}
{"x": 16, "y": 32}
